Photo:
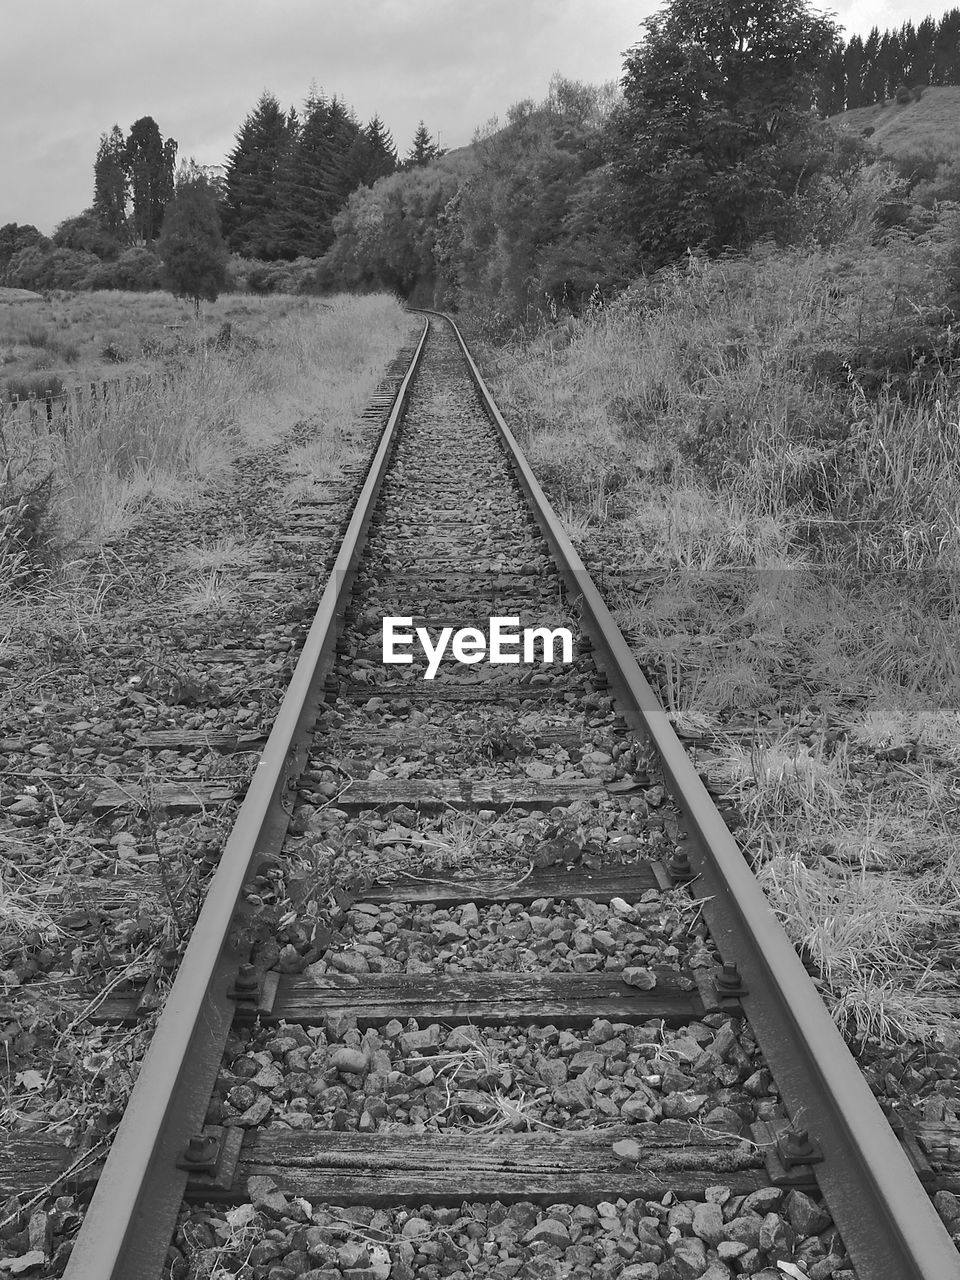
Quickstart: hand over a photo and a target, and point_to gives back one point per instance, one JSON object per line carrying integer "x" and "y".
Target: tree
{"x": 715, "y": 135}
{"x": 252, "y": 202}
{"x": 191, "y": 244}
{"x": 149, "y": 165}
{"x": 85, "y": 233}
{"x": 318, "y": 175}
{"x": 423, "y": 150}
{"x": 111, "y": 185}
{"x": 376, "y": 153}
{"x": 15, "y": 237}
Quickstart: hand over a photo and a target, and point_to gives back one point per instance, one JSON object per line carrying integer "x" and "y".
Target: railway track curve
{"x": 563, "y": 785}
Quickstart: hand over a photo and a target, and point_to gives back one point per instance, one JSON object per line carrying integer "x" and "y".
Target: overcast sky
{"x": 70, "y": 69}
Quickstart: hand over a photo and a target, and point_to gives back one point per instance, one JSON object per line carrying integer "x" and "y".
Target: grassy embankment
{"x": 748, "y": 432}
{"x": 202, "y": 401}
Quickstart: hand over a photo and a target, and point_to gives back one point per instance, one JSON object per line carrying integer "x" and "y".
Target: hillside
{"x": 928, "y": 127}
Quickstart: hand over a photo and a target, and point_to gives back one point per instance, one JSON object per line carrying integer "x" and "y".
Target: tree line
{"x": 713, "y": 140}
{"x": 859, "y": 73}
{"x": 287, "y": 176}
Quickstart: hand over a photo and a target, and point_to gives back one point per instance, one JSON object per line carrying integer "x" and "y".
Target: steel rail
{"x": 886, "y": 1219}
{"x": 128, "y": 1225}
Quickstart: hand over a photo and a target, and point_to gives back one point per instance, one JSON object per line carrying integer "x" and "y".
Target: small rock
{"x": 40, "y": 1231}
{"x": 681, "y": 1105}
{"x": 947, "y": 1204}
{"x": 642, "y": 979}
{"x": 26, "y": 1262}
{"x": 265, "y": 1194}
{"x": 730, "y": 1250}
{"x": 548, "y": 1231}
{"x": 379, "y": 1262}
{"x": 418, "y": 1041}
{"x": 349, "y": 962}
{"x": 22, "y": 807}
{"x": 552, "y": 1071}
{"x": 450, "y": 931}
{"x": 690, "y": 1258}
{"x": 805, "y": 1216}
{"x": 416, "y": 1229}
{"x": 776, "y": 1236}
{"x": 745, "y": 1230}
{"x": 763, "y": 1201}
{"x": 708, "y": 1223}
{"x": 353, "y": 1061}
{"x": 628, "y": 1150}
{"x": 351, "y": 1254}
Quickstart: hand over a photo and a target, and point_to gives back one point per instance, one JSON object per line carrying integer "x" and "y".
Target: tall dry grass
{"x": 182, "y": 421}
{"x": 778, "y": 436}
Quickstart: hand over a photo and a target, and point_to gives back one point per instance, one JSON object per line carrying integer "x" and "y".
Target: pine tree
{"x": 423, "y": 150}
{"x": 378, "y": 152}
{"x": 111, "y": 184}
{"x": 191, "y": 244}
{"x": 921, "y": 66}
{"x": 252, "y": 205}
{"x": 946, "y": 49}
{"x": 149, "y": 165}
{"x": 832, "y": 95}
{"x": 853, "y": 65}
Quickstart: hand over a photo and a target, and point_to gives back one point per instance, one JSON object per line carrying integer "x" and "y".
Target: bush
{"x": 300, "y": 276}
{"x": 38, "y": 385}
{"x": 39, "y": 269}
{"x": 138, "y": 270}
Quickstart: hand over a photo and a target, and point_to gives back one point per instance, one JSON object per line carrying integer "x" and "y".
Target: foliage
{"x": 525, "y": 219}
{"x": 250, "y": 208}
{"x": 86, "y": 233}
{"x": 49, "y": 268}
{"x": 385, "y": 234}
{"x": 149, "y": 163}
{"x": 715, "y": 132}
{"x": 895, "y": 64}
{"x": 112, "y": 185}
{"x": 191, "y": 244}
{"x": 136, "y": 269}
{"x": 423, "y": 148}
{"x": 13, "y": 238}
{"x": 289, "y": 174}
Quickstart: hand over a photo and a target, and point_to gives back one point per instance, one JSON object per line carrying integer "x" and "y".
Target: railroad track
{"x": 504, "y": 863}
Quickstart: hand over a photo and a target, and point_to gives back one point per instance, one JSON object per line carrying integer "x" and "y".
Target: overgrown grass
{"x": 779, "y": 438}
{"x": 184, "y": 420}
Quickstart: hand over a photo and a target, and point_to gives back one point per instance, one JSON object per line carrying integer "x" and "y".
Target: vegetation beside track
{"x": 738, "y": 432}
{"x": 248, "y": 372}
{"x": 105, "y": 638}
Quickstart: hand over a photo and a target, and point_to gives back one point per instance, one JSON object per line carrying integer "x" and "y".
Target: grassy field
{"x": 745, "y": 432}
{"x": 243, "y": 375}
{"x": 69, "y": 338}
{"x": 927, "y": 127}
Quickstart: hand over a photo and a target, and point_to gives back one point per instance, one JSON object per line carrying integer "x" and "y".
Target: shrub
{"x": 138, "y": 269}
{"x": 24, "y": 387}
{"x": 38, "y": 268}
